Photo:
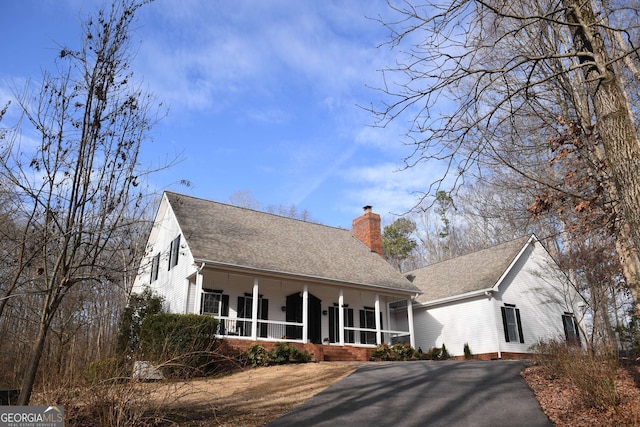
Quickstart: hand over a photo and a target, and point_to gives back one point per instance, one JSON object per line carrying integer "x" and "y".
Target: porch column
{"x": 341, "y": 317}
{"x": 254, "y": 311}
{"x": 305, "y": 313}
{"x": 412, "y": 336}
{"x": 198, "y": 293}
{"x": 378, "y": 332}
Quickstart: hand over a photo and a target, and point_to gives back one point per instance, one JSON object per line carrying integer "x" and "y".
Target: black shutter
{"x": 332, "y": 324}
{"x": 240, "y": 307}
{"x": 566, "y": 329}
{"x": 504, "y": 323}
{"x": 519, "y": 325}
{"x": 225, "y": 305}
{"x": 363, "y": 334}
{"x": 265, "y": 316}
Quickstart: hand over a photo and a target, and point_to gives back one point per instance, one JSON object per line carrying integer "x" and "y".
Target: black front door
{"x": 294, "y": 314}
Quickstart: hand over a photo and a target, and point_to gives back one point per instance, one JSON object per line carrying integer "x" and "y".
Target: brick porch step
{"x": 344, "y": 354}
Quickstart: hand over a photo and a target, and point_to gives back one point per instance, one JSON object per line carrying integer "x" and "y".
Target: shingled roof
{"x": 245, "y": 238}
{"x": 464, "y": 274}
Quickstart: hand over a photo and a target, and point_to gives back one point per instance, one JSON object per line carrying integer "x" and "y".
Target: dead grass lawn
{"x": 252, "y": 397}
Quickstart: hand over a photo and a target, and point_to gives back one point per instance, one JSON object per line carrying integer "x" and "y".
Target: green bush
{"x": 444, "y": 354}
{"x": 467, "y": 351}
{"x": 400, "y": 352}
{"x": 181, "y": 344}
{"x": 285, "y": 353}
{"x": 138, "y": 308}
{"x": 433, "y": 353}
{"x": 282, "y": 353}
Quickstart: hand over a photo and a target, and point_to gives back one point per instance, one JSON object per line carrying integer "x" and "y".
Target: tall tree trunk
{"x": 29, "y": 378}
{"x": 614, "y": 121}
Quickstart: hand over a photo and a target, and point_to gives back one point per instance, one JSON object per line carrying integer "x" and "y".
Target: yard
{"x": 253, "y": 397}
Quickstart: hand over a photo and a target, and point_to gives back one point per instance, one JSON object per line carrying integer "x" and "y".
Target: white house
{"x": 500, "y": 301}
{"x": 269, "y": 278}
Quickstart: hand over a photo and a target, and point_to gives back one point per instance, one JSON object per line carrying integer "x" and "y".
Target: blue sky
{"x": 263, "y": 97}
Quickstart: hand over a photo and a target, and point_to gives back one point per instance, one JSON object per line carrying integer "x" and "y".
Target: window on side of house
{"x": 512, "y": 323}
{"x": 174, "y": 251}
{"x": 214, "y": 303}
{"x": 155, "y": 267}
{"x": 571, "y": 331}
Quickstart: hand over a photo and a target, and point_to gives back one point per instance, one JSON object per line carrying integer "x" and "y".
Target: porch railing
{"x": 272, "y": 330}
{"x": 366, "y": 336}
{"x": 275, "y": 330}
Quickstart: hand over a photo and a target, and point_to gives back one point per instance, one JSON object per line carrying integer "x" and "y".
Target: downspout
{"x": 198, "y": 294}
{"x": 489, "y": 294}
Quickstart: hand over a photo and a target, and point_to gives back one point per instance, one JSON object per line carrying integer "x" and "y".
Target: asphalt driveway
{"x": 424, "y": 393}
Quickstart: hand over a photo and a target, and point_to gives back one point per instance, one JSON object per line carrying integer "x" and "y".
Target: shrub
{"x": 433, "y": 353}
{"x": 398, "y": 351}
{"x": 105, "y": 370}
{"x": 467, "y": 351}
{"x": 592, "y": 373}
{"x": 285, "y": 353}
{"x": 282, "y": 353}
{"x": 182, "y": 344}
{"x": 444, "y": 354}
{"x": 138, "y": 308}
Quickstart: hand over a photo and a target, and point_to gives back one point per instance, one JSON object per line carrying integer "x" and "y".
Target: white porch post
{"x": 254, "y": 310}
{"x": 341, "y": 317}
{"x": 305, "y": 313}
{"x": 412, "y": 336}
{"x": 198, "y": 293}
{"x": 378, "y": 332}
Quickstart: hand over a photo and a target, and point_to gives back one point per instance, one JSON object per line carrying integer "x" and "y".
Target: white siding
{"x": 542, "y": 294}
{"x": 535, "y": 285}
{"x": 171, "y": 284}
{"x": 454, "y": 325}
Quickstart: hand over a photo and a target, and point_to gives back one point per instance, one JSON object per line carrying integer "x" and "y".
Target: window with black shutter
{"x": 512, "y": 323}
{"x": 571, "y": 331}
{"x": 155, "y": 267}
{"x": 174, "y": 251}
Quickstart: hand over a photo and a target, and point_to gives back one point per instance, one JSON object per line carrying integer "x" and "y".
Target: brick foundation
{"x": 318, "y": 352}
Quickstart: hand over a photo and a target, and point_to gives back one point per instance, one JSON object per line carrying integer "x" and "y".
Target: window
{"x": 512, "y": 323}
{"x": 214, "y": 303}
{"x": 174, "y": 250}
{"x": 571, "y": 331}
{"x": 155, "y": 266}
{"x": 368, "y": 321}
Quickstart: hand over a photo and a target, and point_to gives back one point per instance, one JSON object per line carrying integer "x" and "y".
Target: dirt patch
{"x": 564, "y": 406}
{"x": 252, "y": 397}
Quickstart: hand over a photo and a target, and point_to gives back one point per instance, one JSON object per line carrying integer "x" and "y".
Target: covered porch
{"x": 254, "y": 306}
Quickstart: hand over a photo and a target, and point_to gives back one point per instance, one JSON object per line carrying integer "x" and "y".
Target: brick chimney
{"x": 367, "y": 229}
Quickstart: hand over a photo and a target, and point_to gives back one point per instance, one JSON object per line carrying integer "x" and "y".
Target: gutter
{"x": 286, "y": 275}
{"x": 488, "y": 292}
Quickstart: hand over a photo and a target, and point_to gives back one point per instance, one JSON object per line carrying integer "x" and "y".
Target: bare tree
{"x": 79, "y": 190}
{"x": 483, "y": 82}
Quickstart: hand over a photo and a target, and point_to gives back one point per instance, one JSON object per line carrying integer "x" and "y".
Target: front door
{"x": 294, "y": 314}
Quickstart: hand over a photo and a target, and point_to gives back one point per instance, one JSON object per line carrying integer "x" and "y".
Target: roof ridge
{"x": 528, "y": 236}
{"x": 255, "y": 210}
